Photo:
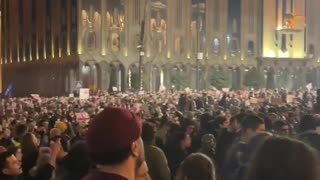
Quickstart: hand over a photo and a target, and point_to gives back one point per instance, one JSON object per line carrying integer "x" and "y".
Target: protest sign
{"x": 84, "y": 93}
{"x": 36, "y": 97}
{"x": 82, "y": 117}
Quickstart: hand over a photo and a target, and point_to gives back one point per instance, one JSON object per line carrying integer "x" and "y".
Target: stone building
{"x": 53, "y": 47}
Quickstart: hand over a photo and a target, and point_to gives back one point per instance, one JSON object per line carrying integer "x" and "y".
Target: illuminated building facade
{"x": 52, "y": 46}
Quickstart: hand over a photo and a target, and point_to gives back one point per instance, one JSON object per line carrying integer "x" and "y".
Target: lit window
{"x": 216, "y": 46}
{"x": 311, "y": 52}
{"x": 250, "y": 48}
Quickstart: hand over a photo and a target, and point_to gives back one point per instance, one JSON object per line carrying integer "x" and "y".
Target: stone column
{"x": 103, "y": 28}
{"x": 80, "y": 27}
{"x": 147, "y": 77}
{"x": 170, "y": 19}
{"x": 167, "y": 76}
{"x": 124, "y": 79}
{"x": 68, "y": 5}
{"x": 271, "y": 79}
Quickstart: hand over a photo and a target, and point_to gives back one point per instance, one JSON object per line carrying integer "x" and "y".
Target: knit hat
{"x": 112, "y": 130}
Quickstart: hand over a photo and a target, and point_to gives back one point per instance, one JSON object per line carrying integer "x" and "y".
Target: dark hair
{"x": 279, "y": 124}
{"x": 174, "y": 141}
{"x": 282, "y": 158}
{"x": 239, "y": 118}
{"x": 3, "y": 161}
{"x": 20, "y": 131}
{"x": 78, "y": 162}
{"x": 251, "y": 122}
{"x": 27, "y": 145}
{"x": 197, "y": 166}
{"x": 220, "y": 120}
{"x": 308, "y": 122}
{"x": 111, "y": 158}
{"x": 148, "y": 132}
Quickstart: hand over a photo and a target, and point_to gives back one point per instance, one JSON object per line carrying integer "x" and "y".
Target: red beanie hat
{"x": 112, "y": 130}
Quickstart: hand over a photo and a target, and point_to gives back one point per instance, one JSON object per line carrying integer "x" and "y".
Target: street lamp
{"x": 199, "y": 58}
{"x": 141, "y": 46}
{"x": 141, "y": 55}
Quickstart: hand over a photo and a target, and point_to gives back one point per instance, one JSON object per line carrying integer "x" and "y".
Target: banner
{"x": 309, "y": 86}
{"x": 36, "y": 97}
{"x": 82, "y": 117}
{"x": 84, "y": 93}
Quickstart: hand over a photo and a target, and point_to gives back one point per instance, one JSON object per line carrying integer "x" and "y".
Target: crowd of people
{"x": 182, "y": 135}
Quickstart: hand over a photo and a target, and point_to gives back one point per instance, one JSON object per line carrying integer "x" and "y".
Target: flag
{"x": 8, "y": 92}
{"x": 309, "y": 86}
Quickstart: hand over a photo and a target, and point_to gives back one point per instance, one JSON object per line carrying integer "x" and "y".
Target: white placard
{"x": 82, "y": 117}
{"x": 84, "y": 93}
{"x": 36, "y": 97}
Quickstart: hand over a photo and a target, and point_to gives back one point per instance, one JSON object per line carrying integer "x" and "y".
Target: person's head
{"x": 282, "y": 158}
{"x": 16, "y": 151}
{"x": 78, "y": 160}
{"x": 6, "y": 133}
{"x": 148, "y": 132}
{"x": 282, "y": 128}
{"x": 20, "y": 131}
{"x": 250, "y": 126}
{"x": 9, "y": 165}
{"x": 29, "y": 144}
{"x": 222, "y": 122}
{"x": 181, "y": 140}
{"x": 208, "y": 142}
{"x": 235, "y": 122}
{"x": 190, "y": 127}
{"x": 307, "y": 123}
{"x": 196, "y": 166}
{"x": 114, "y": 139}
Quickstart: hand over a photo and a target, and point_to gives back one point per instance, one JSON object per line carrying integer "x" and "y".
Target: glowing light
{"x": 283, "y": 54}
{"x": 168, "y": 55}
{"x": 242, "y": 58}
{"x": 60, "y": 52}
{"x": 37, "y": 52}
{"x": 68, "y": 52}
{"x": 129, "y": 74}
{"x": 148, "y": 54}
{"x": 188, "y": 55}
{"x": 103, "y": 52}
{"x": 24, "y": 59}
{"x": 270, "y": 53}
{"x": 318, "y": 61}
{"x": 79, "y": 49}
{"x": 126, "y": 53}
{"x": 225, "y": 57}
{"x": 44, "y": 54}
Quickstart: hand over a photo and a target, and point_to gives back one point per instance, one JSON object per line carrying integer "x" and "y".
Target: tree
{"x": 255, "y": 79}
{"x": 220, "y": 79}
{"x": 179, "y": 81}
{"x": 135, "y": 81}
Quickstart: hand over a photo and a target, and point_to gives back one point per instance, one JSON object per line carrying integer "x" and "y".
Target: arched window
{"x": 91, "y": 40}
{"x": 216, "y": 46}
{"x": 284, "y": 43}
{"x": 234, "y": 46}
{"x": 250, "y": 48}
{"x": 311, "y": 51}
